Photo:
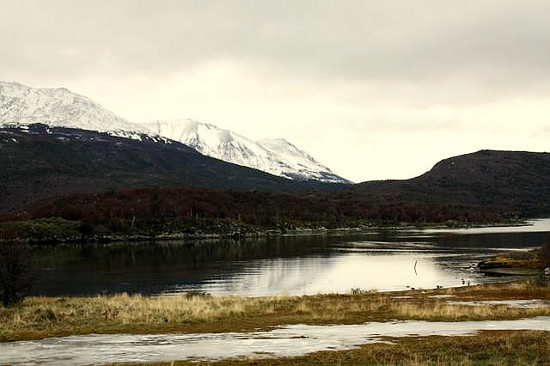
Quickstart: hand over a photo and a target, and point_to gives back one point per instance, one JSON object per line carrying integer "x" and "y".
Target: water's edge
{"x": 286, "y": 341}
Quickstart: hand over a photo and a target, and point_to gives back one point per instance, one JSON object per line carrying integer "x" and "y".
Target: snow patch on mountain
{"x": 21, "y": 105}
{"x": 274, "y": 156}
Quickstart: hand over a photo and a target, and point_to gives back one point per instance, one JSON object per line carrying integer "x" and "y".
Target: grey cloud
{"x": 474, "y": 49}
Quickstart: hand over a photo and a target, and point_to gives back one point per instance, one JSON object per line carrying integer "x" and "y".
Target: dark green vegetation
{"x": 96, "y": 185}
{"x": 487, "y": 348}
{"x": 17, "y": 272}
{"x": 45, "y": 162}
{"x": 545, "y": 254}
{"x": 46, "y": 229}
{"x": 506, "y": 181}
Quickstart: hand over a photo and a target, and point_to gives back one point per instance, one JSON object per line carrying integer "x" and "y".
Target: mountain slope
{"x": 499, "y": 179}
{"x": 21, "y": 105}
{"x": 483, "y": 187}
{"x": 275, "y": 156}
{"x": 39, "y": 161}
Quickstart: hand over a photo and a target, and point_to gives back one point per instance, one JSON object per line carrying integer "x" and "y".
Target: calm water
{"x": 382, "y": 260}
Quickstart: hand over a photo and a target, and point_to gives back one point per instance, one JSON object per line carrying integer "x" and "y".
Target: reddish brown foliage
{"x": 254, "y": 208}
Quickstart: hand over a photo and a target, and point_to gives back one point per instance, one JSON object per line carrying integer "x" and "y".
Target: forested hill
{"x": 38, "y": 162}
{"x": 510, "y": 180}
{"x": 147, "y": 185}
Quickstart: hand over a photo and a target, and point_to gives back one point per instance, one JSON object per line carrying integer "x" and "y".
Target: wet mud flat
{"x": 287, "y": 341}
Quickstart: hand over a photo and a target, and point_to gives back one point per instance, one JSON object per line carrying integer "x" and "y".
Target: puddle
{"x": 288, "y": 341}
{"x": 511, "y": 303}
{"x": 440, "y": 296}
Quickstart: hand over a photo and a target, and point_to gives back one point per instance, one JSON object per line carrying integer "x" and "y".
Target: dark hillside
{"x": 44, "y": 162}
{"x": 91, "y": 174}
{"x": 510, "y": 180}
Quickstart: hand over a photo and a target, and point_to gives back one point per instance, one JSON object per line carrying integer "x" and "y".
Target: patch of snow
{"x": 275, "y": 156}
{"x": 21, "y": 106}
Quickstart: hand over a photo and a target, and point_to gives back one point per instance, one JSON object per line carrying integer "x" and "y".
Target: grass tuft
{"x": 39, "y": 317}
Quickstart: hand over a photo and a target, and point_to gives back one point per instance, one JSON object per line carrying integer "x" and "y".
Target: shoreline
{"x": 43, "y": 317}
{"x": 517, "y": 263}
{"x": 251, "y": 232}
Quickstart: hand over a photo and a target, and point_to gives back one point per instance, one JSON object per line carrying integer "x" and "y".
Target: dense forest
{"x": 161, "y": 211}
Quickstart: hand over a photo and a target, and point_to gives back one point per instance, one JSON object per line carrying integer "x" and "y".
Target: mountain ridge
{"x": 21, "y": 105}
{"x": 496, "y": 178}
{"x": 41, "y": 161}
{"x": 276, "y": 156}
{"x": 483, "y": 187}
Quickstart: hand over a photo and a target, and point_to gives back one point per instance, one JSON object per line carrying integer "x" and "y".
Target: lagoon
{"x": 384, "y": 260}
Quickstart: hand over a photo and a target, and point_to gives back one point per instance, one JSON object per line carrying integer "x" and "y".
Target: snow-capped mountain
{"x": 21, "y": 105}
{"x": 275, "y": 156}
{"x": 58, "y": 107}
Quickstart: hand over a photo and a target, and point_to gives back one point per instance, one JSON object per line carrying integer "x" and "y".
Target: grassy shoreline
{"x": 41, "y": 317}
{"x": 525, "y": 263}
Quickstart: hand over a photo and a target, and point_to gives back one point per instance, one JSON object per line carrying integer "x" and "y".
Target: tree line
{"x": 154, "y": 209}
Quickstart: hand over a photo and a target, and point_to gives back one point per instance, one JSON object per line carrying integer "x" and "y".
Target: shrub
{"x": 40, "y": 230}
{"x": 17, "y": 272}
{"x": 545, "y": 254}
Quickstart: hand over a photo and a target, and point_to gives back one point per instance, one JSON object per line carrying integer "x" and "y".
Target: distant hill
{"x": 483, "y": 188}
{"x": 54, "y": 142}
{"x": 509, "y": 180}
{"x": 88, "y": 171}
{"x": 37, "y": 161}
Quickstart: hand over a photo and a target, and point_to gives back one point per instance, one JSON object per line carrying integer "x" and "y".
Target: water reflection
{"x": 292, "y": 265}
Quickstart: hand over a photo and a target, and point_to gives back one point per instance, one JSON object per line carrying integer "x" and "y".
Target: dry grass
{"x": 505, "y": 291}
{"x": 523, "y": 260}
{"x": 40, "y": 317}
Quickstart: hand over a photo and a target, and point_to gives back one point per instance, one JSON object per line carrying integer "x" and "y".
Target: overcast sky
{"x": 372, "y": 89}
